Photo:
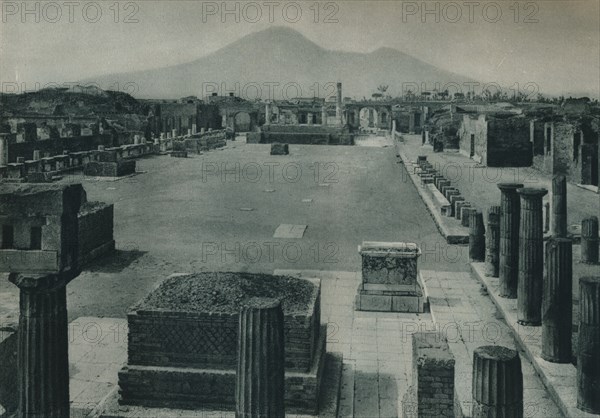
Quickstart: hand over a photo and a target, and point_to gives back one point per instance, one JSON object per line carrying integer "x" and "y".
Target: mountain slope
{"x": 284, "y": 56}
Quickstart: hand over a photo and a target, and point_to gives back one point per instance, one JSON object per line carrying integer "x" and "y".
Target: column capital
{"x": 509, "y": 186}
{"x": 532, "y": 192}
{"x": 42, "y": 282}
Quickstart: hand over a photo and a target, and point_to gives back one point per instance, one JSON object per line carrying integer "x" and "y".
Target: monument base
{"x": 391, "y": 298}
{"x": 192, "y": 388}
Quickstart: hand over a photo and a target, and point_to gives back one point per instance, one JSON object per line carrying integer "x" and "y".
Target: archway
{"x": 368, "y": 117}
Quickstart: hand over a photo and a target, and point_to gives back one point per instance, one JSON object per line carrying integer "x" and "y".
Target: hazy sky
{"x": 555, "y": 44}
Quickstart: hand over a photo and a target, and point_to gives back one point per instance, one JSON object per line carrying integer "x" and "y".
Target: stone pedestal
{"x": 390, "y": 281}
{"x": 260, "y": 386}
{"x": 588, "y": 360}
{"x": 497, "y": 383}
{"x": 531, "y": 257}
{"x": 557, "y": 301}
{"x": 476, "y": 236}
{"x": 559, "y": 206}
{"x": 43, "y": 354}
{"x": 492, "y": 242}
{"x": 510, "y": 214}
{"x": 589, "y": 240}
{"x": 432, "y": 362}
{"x": 279, "y": 149}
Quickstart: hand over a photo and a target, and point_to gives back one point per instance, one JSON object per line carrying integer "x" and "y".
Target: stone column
{"x": 338, "y": 105}
{"x": 588, "y": 360}
{"x": 324, "y": 115}
{"x": 589, "y": 240}
{"x": 43, "y": 350}
{"x": 309, "y": 118}
{"x": 557, "y": 309}
{"x": 36, "y": 155}
{"x": 531, "y": 257}
{"x": 559, "y": 206}
{"x": 3, "y": 150}
{"x": 492, "y": 242}
{"x": 497, "y": 383}
{"x": 510, "y": 215}
{"x": 267, "y": 113}
{"x": 476, "y": 236}
{"x": 260, "y": 387}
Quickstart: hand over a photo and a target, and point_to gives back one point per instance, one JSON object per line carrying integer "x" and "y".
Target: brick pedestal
{"x": 531, "y": 257}
{"x": 557, "y": 301}
{"x": 390, "y": 281}
{"x": 259, "y": 388}
{"x": 432, "y": 391}
{"x": 509, "y": 242}
{"x": 588, "y": 360}
{"x": 497, "y": 383}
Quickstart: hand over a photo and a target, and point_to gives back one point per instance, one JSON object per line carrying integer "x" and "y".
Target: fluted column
{"x": 497, "y": 383}
{"x": 510, "y": 214}
{"x": 43, "y": 351}
{"x": 492, "y": 242}
{"x": 589, "y": 240}
{"x": 531, "y": 257}
{"x": 476, "y": 236}
{"x": 559, "y": 206}
{"x": 260, "y": 373}
{"x": 557, "y": 305}
{"x": 588, "y": 360}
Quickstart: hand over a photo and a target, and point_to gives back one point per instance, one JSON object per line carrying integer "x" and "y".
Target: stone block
{"x": 109, "y": 169}
{"x": 279, "y": 149}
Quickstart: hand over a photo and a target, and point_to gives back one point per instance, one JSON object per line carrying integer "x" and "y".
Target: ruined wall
{"x": 478, "y": 128}
{"x": 95, "y": 231}
{"x": 57, "y": 146}
{"x": 562, "y": 151}
{"x": 508, "y": 143}
{"x": 8, "y": 369}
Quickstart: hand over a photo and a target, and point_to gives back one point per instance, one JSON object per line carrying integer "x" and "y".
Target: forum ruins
{"x": 310, "y": 341}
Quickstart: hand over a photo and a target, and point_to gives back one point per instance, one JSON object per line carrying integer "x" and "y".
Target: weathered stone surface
{"x": 559, "y": 206}
{"x": 509, "y": 243}
{"x": 109, "y": 169}
{"x": 588, "y": 360}
{"x": 260, "y": 371}
{"x": 492, "y": 242}
{"x": 531, "y": 257}
{"x": 497, "y": 383}
{"x": 557, "y": 301}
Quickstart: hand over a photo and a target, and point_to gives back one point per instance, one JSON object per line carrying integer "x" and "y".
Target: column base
{"x": 384, "y": 298}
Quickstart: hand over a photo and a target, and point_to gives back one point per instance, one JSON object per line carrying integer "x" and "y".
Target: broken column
{"x": 510, "y": 214}
{"x": 259, "y": 388}
{"x": 531, "y": 257}
{"x": 588, "y": 360}
{"x": 492, "y": 242}
{"x": 557, "y": 301}
{"x": 476, "y": 237}
{"x": 497, "y": 382}
{"x": 589, "y": 240}
{"x": 559, "y": 206}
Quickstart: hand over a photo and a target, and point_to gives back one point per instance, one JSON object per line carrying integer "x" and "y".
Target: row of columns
{"x": 541, "y": 279}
